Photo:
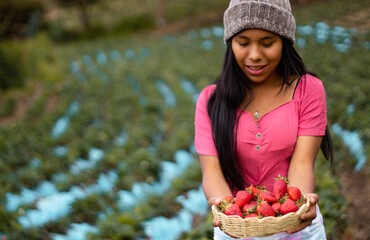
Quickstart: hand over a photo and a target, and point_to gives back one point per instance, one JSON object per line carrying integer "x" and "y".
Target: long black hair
{"x": 232, "y": 87}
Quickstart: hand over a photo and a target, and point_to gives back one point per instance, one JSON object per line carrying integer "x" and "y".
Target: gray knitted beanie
{"x": 271, "y": 15}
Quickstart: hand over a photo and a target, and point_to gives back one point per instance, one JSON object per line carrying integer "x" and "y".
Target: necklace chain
{"x": 271, "y": 98}
{"x": 257, "y": 115}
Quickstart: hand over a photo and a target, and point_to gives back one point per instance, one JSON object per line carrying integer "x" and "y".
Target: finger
{"x": 301, "y": 226}
{"x": 214, "y": 201}
{"x": 310, "y": 214}
{"x": 313, "y": 198}
{"x": 216, "y": 223}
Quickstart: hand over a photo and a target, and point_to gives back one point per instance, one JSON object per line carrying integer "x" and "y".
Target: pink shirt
{"x": 265, "y": 147}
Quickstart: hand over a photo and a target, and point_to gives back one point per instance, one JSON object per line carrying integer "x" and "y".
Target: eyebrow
{"x": 264, "y": 38}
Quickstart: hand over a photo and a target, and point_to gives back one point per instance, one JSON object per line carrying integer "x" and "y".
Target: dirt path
{"x": 187, "y": 24}
{"x": 25, "y": 101}
{"x": 26, "y": 98}
{"x": 359, "y": 20}
{"x": 356, "y": 190}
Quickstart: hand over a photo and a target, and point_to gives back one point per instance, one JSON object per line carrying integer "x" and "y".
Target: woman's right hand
{"x": 215, "y": 201}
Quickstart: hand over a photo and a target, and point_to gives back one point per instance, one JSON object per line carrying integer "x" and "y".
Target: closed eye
{"x": 242, "y": 43}
{"x": 267, "y": 44}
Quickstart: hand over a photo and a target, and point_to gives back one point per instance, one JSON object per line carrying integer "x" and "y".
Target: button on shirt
{"x": 264, "y": 148}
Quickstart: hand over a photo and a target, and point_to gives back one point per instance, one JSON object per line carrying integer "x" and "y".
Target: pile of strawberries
{"x": 255, "y": 201}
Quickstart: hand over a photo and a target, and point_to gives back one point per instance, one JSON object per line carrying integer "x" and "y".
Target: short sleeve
{"x": 312, "y": 113}
{"x": 203, "y": 140}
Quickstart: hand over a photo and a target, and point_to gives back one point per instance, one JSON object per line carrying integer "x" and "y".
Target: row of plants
{"x": 65, "y": 20}
{"x": 118, "y": 93}
{"x": 152, "y": 125}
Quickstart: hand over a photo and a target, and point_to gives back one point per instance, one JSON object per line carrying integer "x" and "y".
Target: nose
{"x": 255, "y": 53}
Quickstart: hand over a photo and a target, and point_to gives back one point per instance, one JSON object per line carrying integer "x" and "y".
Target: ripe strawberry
{"x": 267, "y": 196}
{"x": 294, "y": 193}
{"x": 276, "y": 207}
{"x": 280, "y": 187}
{"x": 264, "y": 209}
{"x": 251, "y": 215}
{"x": 254, "y": 191}
{"x": 242, "y": 198}
{"x": 233, "y": 209}
{"x": 228, "y": 199}
{"x": 288, "y": 207}
{"x": 249, "y": 207}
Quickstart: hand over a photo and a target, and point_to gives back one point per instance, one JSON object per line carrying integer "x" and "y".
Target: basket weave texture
{"x": 255, "y": 227}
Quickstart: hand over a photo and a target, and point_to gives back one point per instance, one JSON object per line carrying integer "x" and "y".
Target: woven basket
{"x": 254, "y": 227}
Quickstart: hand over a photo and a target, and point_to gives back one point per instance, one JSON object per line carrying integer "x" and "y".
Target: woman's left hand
{"x": 309, "y": 216}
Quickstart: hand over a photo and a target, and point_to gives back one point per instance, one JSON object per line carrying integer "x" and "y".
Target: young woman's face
{"x": 258, "y": 53}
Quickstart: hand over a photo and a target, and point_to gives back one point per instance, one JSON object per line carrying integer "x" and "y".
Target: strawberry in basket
{"x": 250, "y": 207}
{"x": 242, "y": 197}
{"x": 254, "y": 191}
{"x": 280, "y": 187}
{"x": 267, "y": 196}
{"x": 257, "y": 212}
{"x": 255, "y": 201}
{"x": 264, "y": 209}
{"x": 229, "y": 207}
{"x": 288, "y": 206}
{"x": 294, "y": 193}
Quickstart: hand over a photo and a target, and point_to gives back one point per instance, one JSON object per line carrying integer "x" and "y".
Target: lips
{"x": 256, "y": 70}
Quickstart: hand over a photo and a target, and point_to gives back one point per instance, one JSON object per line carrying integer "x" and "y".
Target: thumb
{"x": 313, "y": 198}
{"x": 214, "y": 201}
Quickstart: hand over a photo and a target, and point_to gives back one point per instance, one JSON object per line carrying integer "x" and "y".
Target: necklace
{"x": 257, "y": 115}
{"x": 265, "y": 100}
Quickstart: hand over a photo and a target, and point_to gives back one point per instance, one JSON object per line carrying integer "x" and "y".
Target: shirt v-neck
{"x": 274, "y": 109}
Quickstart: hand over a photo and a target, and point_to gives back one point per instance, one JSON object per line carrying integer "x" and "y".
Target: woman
{"x": 265, "y": 115}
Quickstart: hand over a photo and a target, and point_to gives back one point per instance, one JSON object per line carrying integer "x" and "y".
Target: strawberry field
{"x": 105, "y": 150}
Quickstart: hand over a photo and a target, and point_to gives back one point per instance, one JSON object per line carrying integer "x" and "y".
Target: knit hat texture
{"x": 271, "y": 15}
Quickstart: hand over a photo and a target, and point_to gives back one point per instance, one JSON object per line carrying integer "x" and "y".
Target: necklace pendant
{"x": 257, "y": 115}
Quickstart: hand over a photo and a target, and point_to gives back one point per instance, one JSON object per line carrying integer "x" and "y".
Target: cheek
{"x": 237, "y": 50}
{"x": 239, "y": 56}
{"x": 275, "y": 56}
{"x": 240, "y": 61}
{"x": 278, "y": 58}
